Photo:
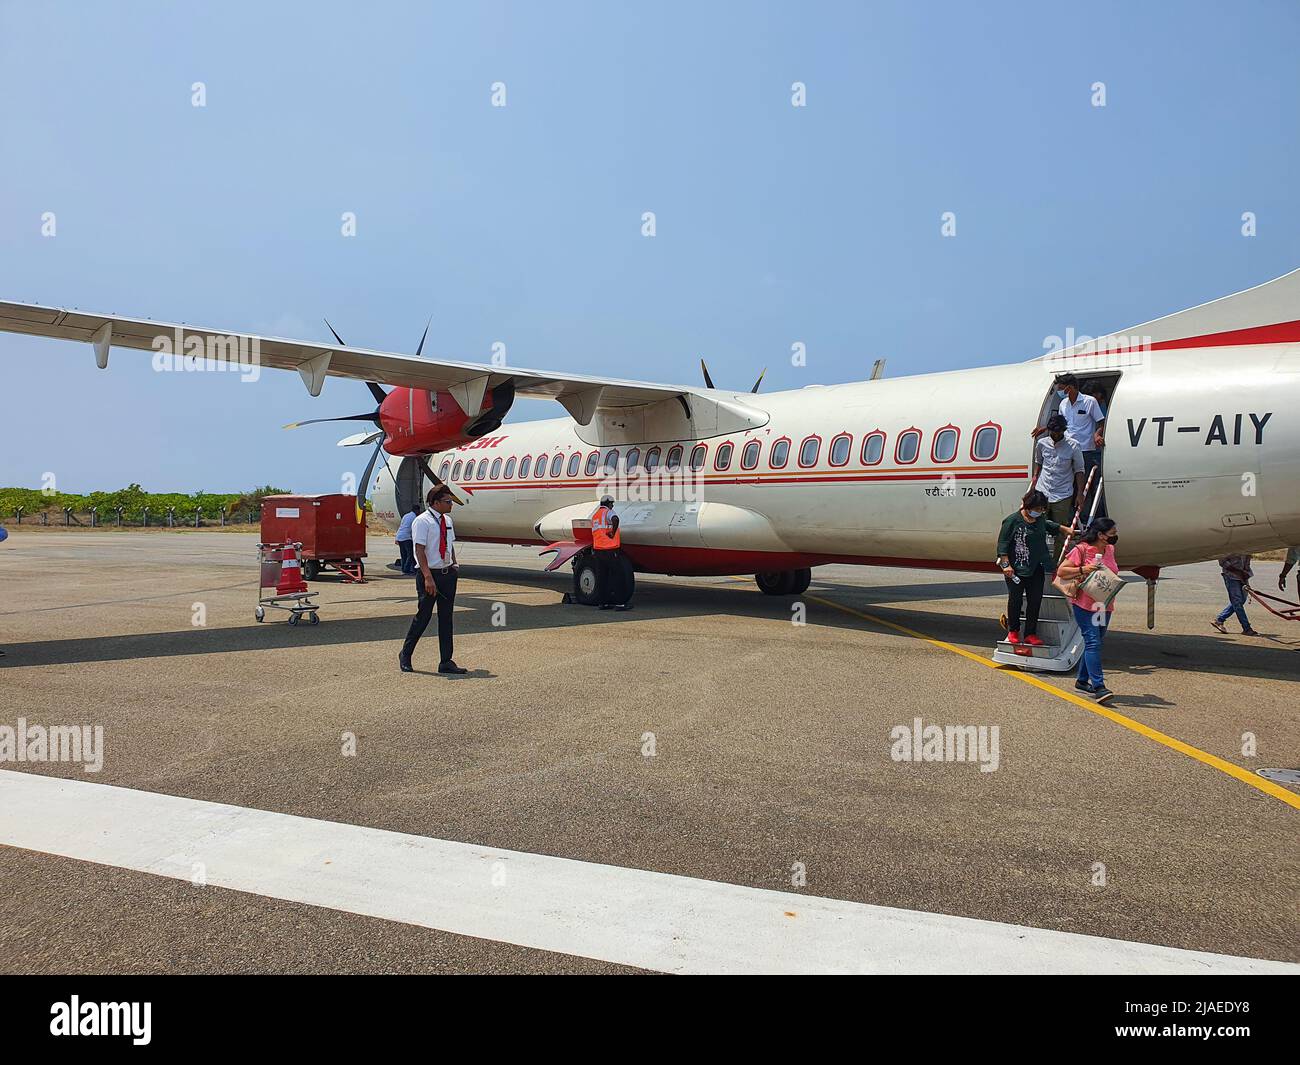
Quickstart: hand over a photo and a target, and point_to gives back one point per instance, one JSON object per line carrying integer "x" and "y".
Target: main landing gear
{"x": 784, "y": 581}
{"x": 589, "y": 580}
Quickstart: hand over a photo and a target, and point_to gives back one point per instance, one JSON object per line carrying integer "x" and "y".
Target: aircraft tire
{"x": 802, "y": 578}
{"x": 776, "y": 582}
{"x": 588, "y": 585}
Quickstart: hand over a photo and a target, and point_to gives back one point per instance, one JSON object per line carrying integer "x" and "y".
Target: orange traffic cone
{"x": 291, "y": 582}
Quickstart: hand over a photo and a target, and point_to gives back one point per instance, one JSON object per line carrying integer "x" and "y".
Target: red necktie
{"x": 442, "y": 538}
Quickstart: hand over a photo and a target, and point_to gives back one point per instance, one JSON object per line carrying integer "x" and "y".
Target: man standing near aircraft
{"x": 605, "y": 543}
{"x": 434, "y": 537}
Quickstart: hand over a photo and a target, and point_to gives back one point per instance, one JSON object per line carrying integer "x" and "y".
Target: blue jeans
{"x": 406, "y": 548}
{"x": 1236, "y": 603}
{"x": 1092, "y": 625}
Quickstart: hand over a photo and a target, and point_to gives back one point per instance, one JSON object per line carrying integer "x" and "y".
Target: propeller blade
{"x": 425, "y": 337}
{"x": 708, "y": 381}
{"x": 357, "y": 439}
{"x": 373, "y": 417}
{"x": 428, "y": 472}
{"x": 363, "y": 486}
{"x": 759, "y": 381}
{"x": 379, "y": 394}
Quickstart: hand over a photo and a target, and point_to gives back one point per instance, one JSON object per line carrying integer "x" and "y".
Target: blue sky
{"x": 522, "y": 225}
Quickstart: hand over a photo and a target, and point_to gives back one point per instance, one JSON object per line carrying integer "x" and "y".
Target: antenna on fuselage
{"x": 878, "y": 370}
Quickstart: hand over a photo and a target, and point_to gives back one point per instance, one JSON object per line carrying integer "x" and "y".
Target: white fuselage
{"x": 1202, "y": 457}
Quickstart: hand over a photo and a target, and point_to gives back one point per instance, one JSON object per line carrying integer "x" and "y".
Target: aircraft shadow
{"x": 1142, "y": 653}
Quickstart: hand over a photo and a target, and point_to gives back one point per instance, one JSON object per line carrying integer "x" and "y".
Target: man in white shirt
{"x": 1058, "y": 470}
{"x": 434, "y": 538}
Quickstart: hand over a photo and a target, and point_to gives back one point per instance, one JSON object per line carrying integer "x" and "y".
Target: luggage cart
{"x": 270, "y": 558}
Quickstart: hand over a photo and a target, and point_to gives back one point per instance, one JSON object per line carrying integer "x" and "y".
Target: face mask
{"x": 1057, "y": 437}
{"x": 1034, "y": 513}
{"x": 1060, "y": 393}
{"x": 1114, "y": 538}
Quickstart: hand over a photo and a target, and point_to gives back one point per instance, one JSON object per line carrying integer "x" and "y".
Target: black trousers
{"x": 406, "y": 549}
{"x": 609, "y": 564}
{"x": 444, "y": 582}
{"x": 1031, "y": 586}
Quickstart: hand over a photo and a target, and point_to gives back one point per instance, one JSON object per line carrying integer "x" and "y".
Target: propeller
{"x": 373, "y": 417}
{"x": 708, "y": 381}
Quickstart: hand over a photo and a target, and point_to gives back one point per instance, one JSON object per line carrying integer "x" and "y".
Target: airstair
{"x": 1062, "y": 641}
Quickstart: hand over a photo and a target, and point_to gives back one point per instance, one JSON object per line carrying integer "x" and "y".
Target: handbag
{"x": 1101, "y": 585}
{"x": 1069, "y": 589}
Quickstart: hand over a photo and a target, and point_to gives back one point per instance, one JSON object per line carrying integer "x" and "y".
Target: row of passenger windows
{"x": 907, "y": 449}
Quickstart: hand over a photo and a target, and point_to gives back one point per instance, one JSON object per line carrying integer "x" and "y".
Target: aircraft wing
{"x": 580, "y": 395}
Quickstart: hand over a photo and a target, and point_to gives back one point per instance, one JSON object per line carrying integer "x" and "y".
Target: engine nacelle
{"x": 419, "y": 422}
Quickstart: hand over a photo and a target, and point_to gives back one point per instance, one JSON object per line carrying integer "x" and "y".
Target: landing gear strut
{"x": 784, "y": 581}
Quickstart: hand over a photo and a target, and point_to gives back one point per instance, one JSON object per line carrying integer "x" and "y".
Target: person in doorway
{"x": 1236, "y": 575}
{"x": 606, "y": 544}
{"x": 1085, "y": 427}
{"x": 434, "y": 537}
{"x": 1025, "y": 561}
{"x": 1058, "y": 470}
{"x": 1096, "y": 548}
{"x": 405, "y": 545}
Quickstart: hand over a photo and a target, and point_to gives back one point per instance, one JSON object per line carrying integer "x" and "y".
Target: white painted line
{"x": 630, "y": 916}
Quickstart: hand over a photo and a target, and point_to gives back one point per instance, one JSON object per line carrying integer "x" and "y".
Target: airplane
{"x": 1202, "y": 452}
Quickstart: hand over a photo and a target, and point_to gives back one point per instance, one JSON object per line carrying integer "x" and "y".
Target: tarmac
{"x": 712, "y": 733}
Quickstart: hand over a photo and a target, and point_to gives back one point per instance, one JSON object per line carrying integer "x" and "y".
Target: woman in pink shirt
{"x": 1096, "y": 549}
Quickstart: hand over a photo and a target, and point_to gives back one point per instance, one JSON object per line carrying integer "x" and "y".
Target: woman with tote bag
{"x": 1089, "y": 575}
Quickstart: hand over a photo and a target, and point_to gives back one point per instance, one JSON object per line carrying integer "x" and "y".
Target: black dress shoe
{"x": 450, "y": 667}
{"x": 624, "y": 606}
{"x": 405, "y": 663}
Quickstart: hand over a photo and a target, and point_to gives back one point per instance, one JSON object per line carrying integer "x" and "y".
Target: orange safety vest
{"x": 603, "y": 536}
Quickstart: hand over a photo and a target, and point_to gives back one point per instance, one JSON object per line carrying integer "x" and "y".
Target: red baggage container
{"x": 325, "y": 525}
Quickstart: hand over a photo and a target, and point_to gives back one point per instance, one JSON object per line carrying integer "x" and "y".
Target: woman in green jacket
{"x": 1025, "y": 562}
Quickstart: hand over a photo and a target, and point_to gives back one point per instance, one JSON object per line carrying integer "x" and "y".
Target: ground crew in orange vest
{"x": 605, "y": 542}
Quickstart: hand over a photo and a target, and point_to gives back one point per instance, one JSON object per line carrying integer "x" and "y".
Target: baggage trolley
{"x": 270, "y": 559}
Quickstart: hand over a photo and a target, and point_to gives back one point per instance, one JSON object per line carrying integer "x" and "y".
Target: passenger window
{"x": 482, "y": 470}
{"x": 575, "y": 463}
{"x": 442, "y": 470}
{"x": 593, "y": 460}
{"x": 611, "y": 461}
{"x": 809, "y": 450}
{"x": 674, "y": 457}
{"x": 525, "y": 464}
{"x": 985, "y": 445}
{"x": 780, "y": 454}
{"x": 633, "y": 457}
{"x": 749, "y": 455}
{"x": 542, "y": 460}
{"x": 455, "y": 470}
{"x": 496, "y": 469}
{"x": 510, "y": 467}
{"x": 873, "y": 449}
{"x": 557, "y": 466}
{"x": 944, "y": 448}
{"x": 652, "y": 460}
{"x": 840, "y": 448}
{"x": 698, "y": 454}
{"x": 722, "y": 461}
{"x": 908, "y": 447}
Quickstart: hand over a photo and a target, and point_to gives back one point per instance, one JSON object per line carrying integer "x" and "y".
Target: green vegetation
{"x": 133, "y": 499}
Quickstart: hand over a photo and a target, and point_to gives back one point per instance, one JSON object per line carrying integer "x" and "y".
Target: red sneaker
{"x": 1033, "y": 641}
{"x": 1013, "y": 638}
